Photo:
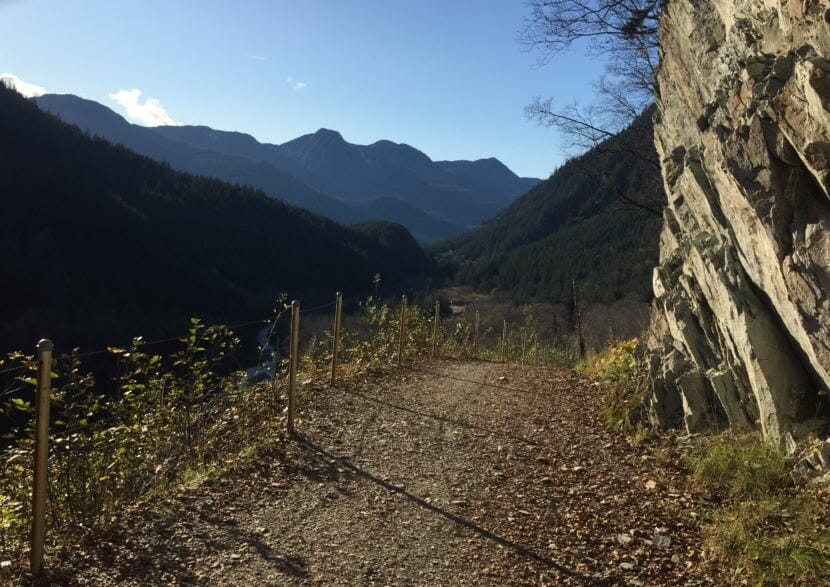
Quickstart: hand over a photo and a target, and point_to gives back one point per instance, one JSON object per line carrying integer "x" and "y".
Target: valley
{"x": 581, "y": 338}
{"x": 588, "y": 222}
{"x": 135, "y": 248}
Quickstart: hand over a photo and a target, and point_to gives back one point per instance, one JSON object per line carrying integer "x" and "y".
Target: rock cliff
{"x": 740, "y": 332}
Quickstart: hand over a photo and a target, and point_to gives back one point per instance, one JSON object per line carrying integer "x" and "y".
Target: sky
{"x": 448, "y": 77}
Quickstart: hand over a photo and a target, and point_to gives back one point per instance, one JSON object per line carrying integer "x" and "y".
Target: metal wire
{"x": 148, "y": 343}
{"x": 10, "y": 392}
{"x": 315, "y": 308}
{"x": 13, "y": 369}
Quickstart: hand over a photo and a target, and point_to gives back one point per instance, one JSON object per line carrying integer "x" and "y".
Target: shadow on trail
{"x": 441, "y": 418}
{"x": 455, "y": 518}
{"x": 286, "y": 564}
{"x": 162, "y": 553}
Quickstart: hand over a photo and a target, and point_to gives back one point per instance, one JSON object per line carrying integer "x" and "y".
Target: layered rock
{"x": 740, "y": 330}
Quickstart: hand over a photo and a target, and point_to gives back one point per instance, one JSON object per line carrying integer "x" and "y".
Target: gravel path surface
{"x": 423, "y": 477}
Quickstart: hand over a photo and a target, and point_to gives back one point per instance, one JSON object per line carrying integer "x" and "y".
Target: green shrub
{"x": 624, "y": 379}
{"x": 615, "y": 363}
{"x": 167, "y": 417}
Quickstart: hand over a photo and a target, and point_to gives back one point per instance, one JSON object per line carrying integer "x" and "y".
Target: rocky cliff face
{"x": 740, "y": 332}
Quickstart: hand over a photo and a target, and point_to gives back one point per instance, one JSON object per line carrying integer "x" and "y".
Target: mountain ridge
{"x": 320, "y": 171}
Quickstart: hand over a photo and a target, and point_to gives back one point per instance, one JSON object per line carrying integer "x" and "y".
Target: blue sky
{"x": 446, "y": 76}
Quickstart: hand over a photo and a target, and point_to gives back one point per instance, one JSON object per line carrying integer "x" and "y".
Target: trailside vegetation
{"x": 154, "y": 419}
{"x": 767, "y": 530}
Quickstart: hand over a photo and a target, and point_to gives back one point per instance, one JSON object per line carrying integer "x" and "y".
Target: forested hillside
{"x": 582, "y": 223}
{"x": 101, "y": 244}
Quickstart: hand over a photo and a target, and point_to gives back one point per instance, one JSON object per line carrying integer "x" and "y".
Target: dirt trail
{"x": 420, "y": 479}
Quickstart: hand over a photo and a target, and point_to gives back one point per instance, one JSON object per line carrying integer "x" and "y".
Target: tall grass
{"x": 767, "y": 531}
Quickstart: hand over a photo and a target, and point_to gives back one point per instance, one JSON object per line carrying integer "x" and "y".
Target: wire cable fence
{"x": 125, "y": 421}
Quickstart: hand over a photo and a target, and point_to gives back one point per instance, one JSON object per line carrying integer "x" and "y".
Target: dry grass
{"x": 739, "y": 466}
{"x": 618, "y": 370}
{"x": 766, "y": 530}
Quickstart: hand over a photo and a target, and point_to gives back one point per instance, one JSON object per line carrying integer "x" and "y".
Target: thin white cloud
{"x": 296, "y": 85}
{"x": 25, "y": 88}
{"x": 258, "y": 57}
{"x": 150, "y": 113}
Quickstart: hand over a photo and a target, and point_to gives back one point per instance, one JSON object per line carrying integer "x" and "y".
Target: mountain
{"x": 491, "y": 177}
{"x": 101, "y": 244}
{"x": 237, "y": 167}
{"x": 572, "y": 226}
{"x": 457, "y": 193}
{"x": 423, "y": 226}
{"x": 320, "y": 171}
{"x": 453, "y": 193}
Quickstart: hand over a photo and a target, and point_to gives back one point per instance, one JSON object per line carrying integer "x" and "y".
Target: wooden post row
{"x": 44, "y": 390}
{"x": 292, "y": 365}
{"x": 475, "y": 335}
{"x": 338, "y": 310}
{"x": 402, "y": 333}
{"x": 435, "y": 327}
{"x": 578, "y": 314}
{"x": 504, "y": 342}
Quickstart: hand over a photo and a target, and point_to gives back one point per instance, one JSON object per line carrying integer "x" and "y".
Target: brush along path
{"x": 421, "y": 479}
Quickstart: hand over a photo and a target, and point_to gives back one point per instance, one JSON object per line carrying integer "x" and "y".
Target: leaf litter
{"x": 419, "y": 479}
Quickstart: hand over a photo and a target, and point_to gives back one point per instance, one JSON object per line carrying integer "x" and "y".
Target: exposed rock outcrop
{"x": 740, "y": 330}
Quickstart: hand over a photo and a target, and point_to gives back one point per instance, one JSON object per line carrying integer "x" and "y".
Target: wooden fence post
{"x": 435, "y": 327}
{"x": 524, "y": 346}
{"x": 475, "y": 335}
{"x": 578, "y": 314}
{"x": 504, "y": 342}
{"x": 338, "y": 309}
{"x": 44, "y": 390}
{"x": 402, "y": 334}
{"x": 292, "y": 365}
{"x": 555, "y": 331}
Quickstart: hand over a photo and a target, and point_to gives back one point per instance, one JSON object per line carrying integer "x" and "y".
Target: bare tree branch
{"x": 624, "y": 33}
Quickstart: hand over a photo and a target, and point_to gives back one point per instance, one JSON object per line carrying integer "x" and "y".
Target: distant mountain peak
{"x": 328, "y": 134}
{"x": 78, "y": 105}
{"x": 491, "y": 161}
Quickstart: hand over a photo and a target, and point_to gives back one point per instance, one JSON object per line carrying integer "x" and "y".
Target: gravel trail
{"x": 454, "y": 473}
